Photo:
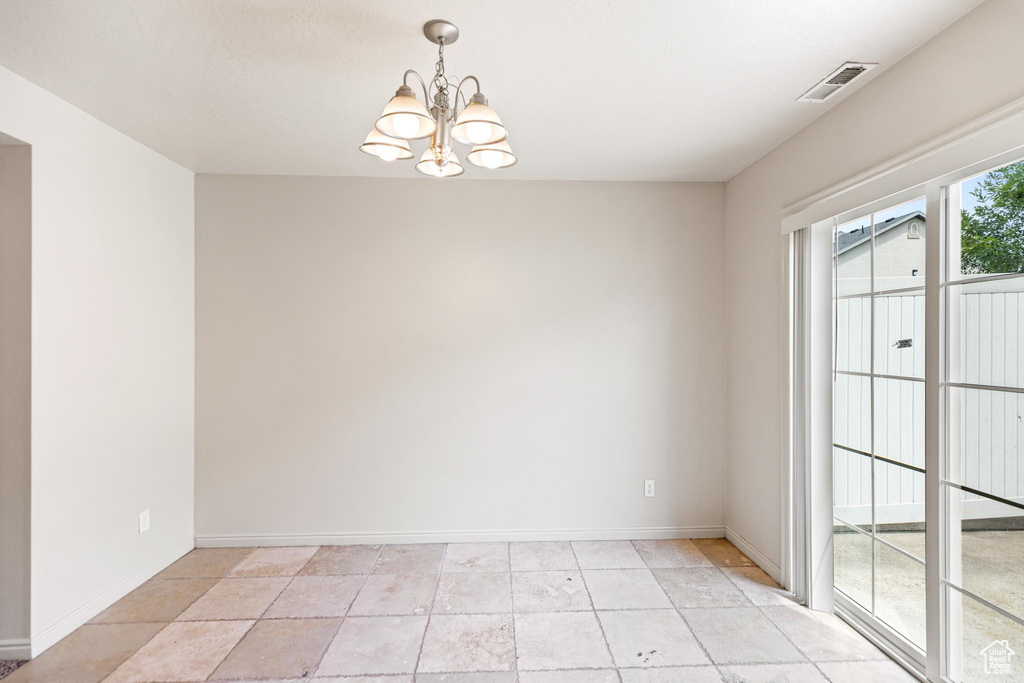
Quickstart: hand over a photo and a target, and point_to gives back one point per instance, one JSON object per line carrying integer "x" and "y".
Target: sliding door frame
{"x": 809, "y": 427}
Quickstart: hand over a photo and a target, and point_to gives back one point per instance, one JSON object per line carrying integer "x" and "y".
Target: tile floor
{"x": 557, "y": 612}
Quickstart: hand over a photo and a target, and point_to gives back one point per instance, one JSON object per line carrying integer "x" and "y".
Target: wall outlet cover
{"x": 649, "y": 488}
{"x": 143, "y": 521}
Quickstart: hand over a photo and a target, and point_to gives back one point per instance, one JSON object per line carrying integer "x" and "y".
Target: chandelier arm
{"x": 431, "y": 93}
{"x": 454, "y": 81}
{"x": 459, "y": 89}
{"x": 405, "y": 81}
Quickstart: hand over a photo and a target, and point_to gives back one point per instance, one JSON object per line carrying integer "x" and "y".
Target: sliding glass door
{"x": 982, "y": 489}
{"x": 878, "y": 416}
{"x": 964, "y": 492}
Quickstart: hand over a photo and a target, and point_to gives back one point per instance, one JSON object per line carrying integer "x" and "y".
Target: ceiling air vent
{"x": 835, "y": 81}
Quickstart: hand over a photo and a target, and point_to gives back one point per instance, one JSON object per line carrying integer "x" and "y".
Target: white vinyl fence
{"x": 991, "y": 428}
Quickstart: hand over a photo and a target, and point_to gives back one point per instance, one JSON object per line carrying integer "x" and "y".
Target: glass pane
{"x": 899, "y": 246}
{"x": 852, "y": 553}
{"x": 899, "y": 420}
{"x": 854, "y": 245}
{"x": 986, "y": 332}
{"x": 988, "y": 537}
{"x": 851, "y": 491}
{"x": 899, "y": 334}
{"x": 853, "y": 334}
{"x": 986, "y": 441}
{"x": 991, "y": 225}
{"x": 899, "y": 507}
{"x": 985, "y": 637}
{"x": 900, "y": 593}
{"x": 851, "y": 410}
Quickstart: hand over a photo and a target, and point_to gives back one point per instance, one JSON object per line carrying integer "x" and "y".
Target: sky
{"x": 967, "y": 202}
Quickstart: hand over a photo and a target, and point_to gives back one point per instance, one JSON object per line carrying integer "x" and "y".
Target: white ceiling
{"x": 589, "y": 89}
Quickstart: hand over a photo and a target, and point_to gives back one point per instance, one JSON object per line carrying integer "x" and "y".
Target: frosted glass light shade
{"x": 406, "y": 118}
{"x": 478, "y": 125}
{"x": 428, "y": 166}
{"x": 388, "y": 149}
{"x": 498, "y": 155}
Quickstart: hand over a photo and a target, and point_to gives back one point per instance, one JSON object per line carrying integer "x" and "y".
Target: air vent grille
{"x": 821, "y": 92}
{"x": 835, "y": 81}
{"x": 846, "y": 75}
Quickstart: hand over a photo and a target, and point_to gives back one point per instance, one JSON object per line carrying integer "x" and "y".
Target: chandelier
{"x": 405, "y": 118}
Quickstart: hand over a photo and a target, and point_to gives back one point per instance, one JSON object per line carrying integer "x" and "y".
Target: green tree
{"x": 992, "y": 234}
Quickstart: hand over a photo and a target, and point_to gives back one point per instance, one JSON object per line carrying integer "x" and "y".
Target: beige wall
{"x": 415, "y": 359}
{"x": 968, "y": 70}
{"x": 15, "y": 393}
{"x": 112, "y": 358}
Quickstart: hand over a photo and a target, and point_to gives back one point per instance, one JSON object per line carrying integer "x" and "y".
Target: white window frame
{"x": 988, "y": 142}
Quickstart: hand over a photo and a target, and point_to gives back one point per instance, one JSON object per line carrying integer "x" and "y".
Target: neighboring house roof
{"x": 849, "y": 240}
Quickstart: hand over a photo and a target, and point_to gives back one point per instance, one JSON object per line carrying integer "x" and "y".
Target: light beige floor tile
{"x": 387, "y": 594}
{"x": 740, "y": 635}
{"x": 328, "y": 679}
{"x": 671, "y": 554}
{"x": 773, "y": 673}
{"x": 722, "y": 553}
{"x": 483, "y": 677}
{"x": 759, "y": 588}
{"x": 588, "y": 676}
{"x": 650, "y": 638}
{"x": 689, "y": 674}
{"x": 286, "y": 648}
{"x": 205, "y": 563}
{"x": 316, "y": 596}
{"x": 625, "y": 589}
{"x": 474, "y": 593}
{"x": 342, "y": 559}
{"x": 542, "y": 556}
{"x": 287, "y": 680}
{"x": 476, "y": 557}
{"x": 700, "y": 587}
{"x": 424, "y": 558}
{"x": 88, "y": 655}
{"x": 374, "y": 645}
{"x": 607, "y": 555}
{"x": 236, "y": 599}
{"x": 859, "y": 672}
{"x": 822, "y": 637}
{"x": 274, "y": 561}
{"x": 549, "y": 592}
{"x": 468, "y": 642}
{"x": 183, "y": 651}
{"x": 563, "y": 640}
{"x": 155, "y": 600}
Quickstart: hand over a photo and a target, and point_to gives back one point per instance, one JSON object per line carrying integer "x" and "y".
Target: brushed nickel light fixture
{"x": 406, "y": 118}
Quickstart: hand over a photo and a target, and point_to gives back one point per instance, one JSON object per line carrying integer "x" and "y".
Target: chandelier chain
{"x": 440, "y": 82}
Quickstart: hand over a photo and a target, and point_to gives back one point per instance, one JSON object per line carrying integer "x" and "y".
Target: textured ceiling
{"x": 590, "y": 89}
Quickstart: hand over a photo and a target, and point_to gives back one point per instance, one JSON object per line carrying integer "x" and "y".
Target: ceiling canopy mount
{"x": 440, "y": 30}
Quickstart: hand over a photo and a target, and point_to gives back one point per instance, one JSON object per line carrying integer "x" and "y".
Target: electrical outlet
{"x": 144, "y": 521}
{"x": 649, "y": 488}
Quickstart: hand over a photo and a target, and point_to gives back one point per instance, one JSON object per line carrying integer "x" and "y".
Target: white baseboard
{"x": 769, "y": 567}
{"x": 15, "y": 649}
{"x": 62, "y": 627}
{"x": 375, "y": 538}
